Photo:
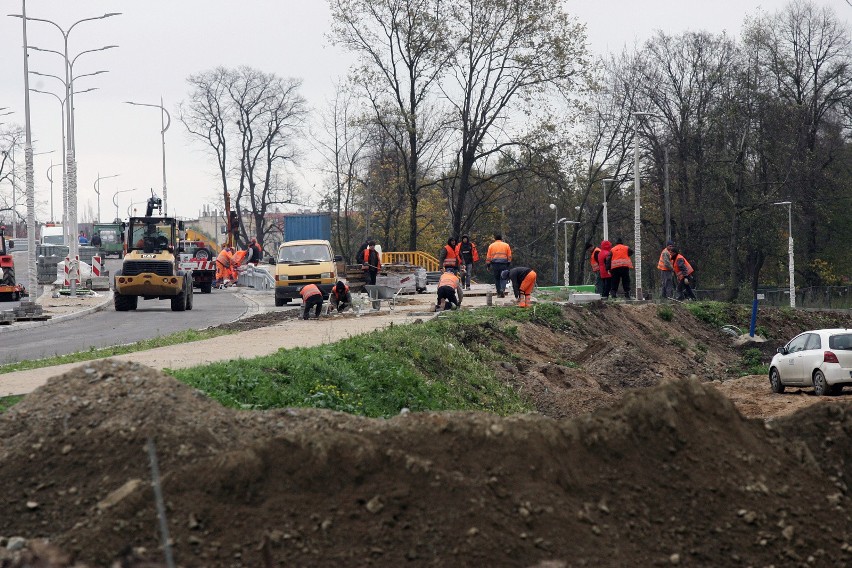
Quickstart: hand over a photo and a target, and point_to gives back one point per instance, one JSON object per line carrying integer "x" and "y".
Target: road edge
{"x": 28, "y": 325}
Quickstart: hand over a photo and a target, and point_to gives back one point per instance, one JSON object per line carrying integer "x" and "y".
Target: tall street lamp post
{"x": 71, "y": 166}
{"x": 114, "y": 202}
{"x": 97, "y": 187}
{"x": 637, "y": 226}
{"x": 567, "y": 263}
{"x": 165, "y": 122}
{"x": 555, "y": 244}
{"x": 50, "y": 179}
{"x": 606, "y": 185}
{"x": 789, "y": 205}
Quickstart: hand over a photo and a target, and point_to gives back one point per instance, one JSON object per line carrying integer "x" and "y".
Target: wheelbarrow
{"x": 378, "y": 294}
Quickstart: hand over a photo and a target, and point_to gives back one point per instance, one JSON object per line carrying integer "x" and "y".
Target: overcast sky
{"x": 161, "y": 42}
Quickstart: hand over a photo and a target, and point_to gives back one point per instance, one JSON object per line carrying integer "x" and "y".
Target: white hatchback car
{"x": 821, "y": 358}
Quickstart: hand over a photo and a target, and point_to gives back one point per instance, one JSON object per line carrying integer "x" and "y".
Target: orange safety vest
{"x": 225, "y": 258}
{"x": 474, "y": 254}
{"x": 448, "y": 279}
{"x": 499, "y": 251}
{"x": 367, "y": 266}
{"x": 680, "y": 275}
{"x": 452, "y": 258}
{"x": 309, "y": 290}
{"x": 661, "y": 265}
{"x": 593, "y": 262}
{"x": 620, "y": 258}
{"x": 339, "y": 296}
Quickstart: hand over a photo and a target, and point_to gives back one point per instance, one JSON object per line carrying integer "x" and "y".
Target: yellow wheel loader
{"x": 151, "y": 270}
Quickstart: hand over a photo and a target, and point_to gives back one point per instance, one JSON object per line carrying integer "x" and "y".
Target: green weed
{"x": 665, "y": 313}
{"x": 8, "y": 402}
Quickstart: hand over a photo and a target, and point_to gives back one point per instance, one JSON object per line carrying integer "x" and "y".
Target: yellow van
{"x": 303, "y": 262}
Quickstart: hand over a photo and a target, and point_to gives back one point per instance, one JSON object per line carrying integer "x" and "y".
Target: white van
{"x": 52, "y": 235}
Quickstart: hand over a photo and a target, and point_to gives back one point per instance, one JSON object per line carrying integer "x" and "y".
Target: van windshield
{"x": 303, "y": 253}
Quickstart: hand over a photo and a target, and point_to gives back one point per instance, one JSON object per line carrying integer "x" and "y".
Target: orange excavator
{"x": 9, "y": 290}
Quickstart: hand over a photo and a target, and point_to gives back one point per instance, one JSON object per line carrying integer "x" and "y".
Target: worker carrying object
{"x": 371, "y": 263}
{"x": 340, "y": 298}
{"x": 523, "y": 282}
{"x": 311, "y": 298}
{"x": 449, "y": 291}
{"x": 449, "y": 256}
{"x": 684, "y": 272}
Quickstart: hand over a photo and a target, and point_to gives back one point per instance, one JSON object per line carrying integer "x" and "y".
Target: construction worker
{"x": 619, "y": 266}
{"x": 683, "y": 270}
{"x": 340, "y": 298}
{"x": 370, "y": 263}
{"x": 448, "y": 286}
{"x": 523, "y": 282}
{"x": 603, "y": 267}
{"x": 666, "y": 267}
{"x": 498, "y": 259}
{"x": 448, "y": 257}
{"x": 224, "y": 264}
{"x": 311, "y": 298}
{"x": 256, "y": 251}
{"x": 596, "y": 271}
{"x": 467, "y": 254}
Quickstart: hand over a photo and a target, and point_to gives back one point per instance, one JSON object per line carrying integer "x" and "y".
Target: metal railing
{"x": 415, "y": 258}
{"x": 257, "y": 278}
{"x": 813, "y": 297}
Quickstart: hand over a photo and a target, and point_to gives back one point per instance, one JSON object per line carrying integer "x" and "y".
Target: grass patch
{"x": 8, "y": 402}
{"x": 443, "y": 364}
{"x": 186, "y": 336}
{"x": 750, "y": 363}
{"x": 665, "y": 313}
{"x": 714, "y": 313}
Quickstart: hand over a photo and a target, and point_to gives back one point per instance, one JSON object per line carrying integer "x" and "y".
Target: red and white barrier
{"x": 96, "y": 266}
{"x": 72, "y": 270}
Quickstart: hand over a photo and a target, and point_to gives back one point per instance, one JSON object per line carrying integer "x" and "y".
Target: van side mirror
{"x": 271, "y": 260}
{"x": 338, "y": 258}
{"x": 11, "y": 244}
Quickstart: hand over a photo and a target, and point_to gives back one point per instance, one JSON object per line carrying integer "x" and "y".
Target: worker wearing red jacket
{"x": 448, "y": 256}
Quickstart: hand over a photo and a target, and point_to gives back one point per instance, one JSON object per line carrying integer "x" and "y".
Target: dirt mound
{"x": 672, "y": 475}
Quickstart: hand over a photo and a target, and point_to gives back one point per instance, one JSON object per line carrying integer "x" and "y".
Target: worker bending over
{"x": 448, "y": 287}
{"x": 311, "y": 298}
{"x": 523, "y": 283}
{"x": 340, "y": 298}
{"x": 224, "y": 262}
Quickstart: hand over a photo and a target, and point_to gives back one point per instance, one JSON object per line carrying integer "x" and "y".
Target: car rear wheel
{"x": 821, "y": 386}
{"x": 775, "y": 381}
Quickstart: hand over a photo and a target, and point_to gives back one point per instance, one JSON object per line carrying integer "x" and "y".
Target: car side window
{"x": 798, "y": 344}
{"x": 814, "y": 342}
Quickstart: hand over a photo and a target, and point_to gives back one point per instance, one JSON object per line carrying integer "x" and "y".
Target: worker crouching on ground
{"x": 311, "y": 298}
{"x": 523, "y": 283}
{"x": 449, "y": 291}
{"x": 340, "y": 298}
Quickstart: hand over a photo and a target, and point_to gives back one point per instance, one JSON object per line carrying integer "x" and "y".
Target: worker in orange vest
{"x": 596, "y": 271}
{"x": 311, "y": 298}
{"x": 498, "y": 259}
{"x": 340, "y": 298}
{"x": 371, "y": 263}
{"x": 619, "y": 266}
{"x": 223, "y": 266}
{"x": 666, "y": 267}
{"x": 449, "y": 291}
{"x": 523, "y": 283}
{"x": 467, "y": 254}
{"x": 683, "y": 270}
{"x": 603, "y": 267}
{"x": 448, "y": 257}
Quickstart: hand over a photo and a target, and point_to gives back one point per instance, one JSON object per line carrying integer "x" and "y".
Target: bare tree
{"x": 507, "y": 55}
{"x": 343, "y": 147}
{"x": 403, "y": 52}
{"x": 250, "y": 120}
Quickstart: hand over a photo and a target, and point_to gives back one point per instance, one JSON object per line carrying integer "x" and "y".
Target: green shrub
{"x": 665, "y": 313}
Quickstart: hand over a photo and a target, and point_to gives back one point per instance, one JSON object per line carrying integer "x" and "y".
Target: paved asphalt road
{"x": 107, "y": 327}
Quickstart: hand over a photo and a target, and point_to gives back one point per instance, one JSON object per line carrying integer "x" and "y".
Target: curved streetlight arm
{"x": 104, "y": 48}
{"x": 58, "y": 27}
{"x": 159, "y": 106}
{"x": 46, "y": 50}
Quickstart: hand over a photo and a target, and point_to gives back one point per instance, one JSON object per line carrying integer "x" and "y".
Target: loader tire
{"x": 125, "y": 303}
{"x": 206, "y": 287}
{"x": 179, "y": 302}
{"x": 190, "y": 295}
{"x": 8, "y": 277}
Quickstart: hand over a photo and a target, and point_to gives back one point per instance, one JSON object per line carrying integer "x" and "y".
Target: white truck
{"x": 52, "y": 235}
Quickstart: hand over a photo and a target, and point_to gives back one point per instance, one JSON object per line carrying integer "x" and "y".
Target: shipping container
{"x": 299, "y": 227}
